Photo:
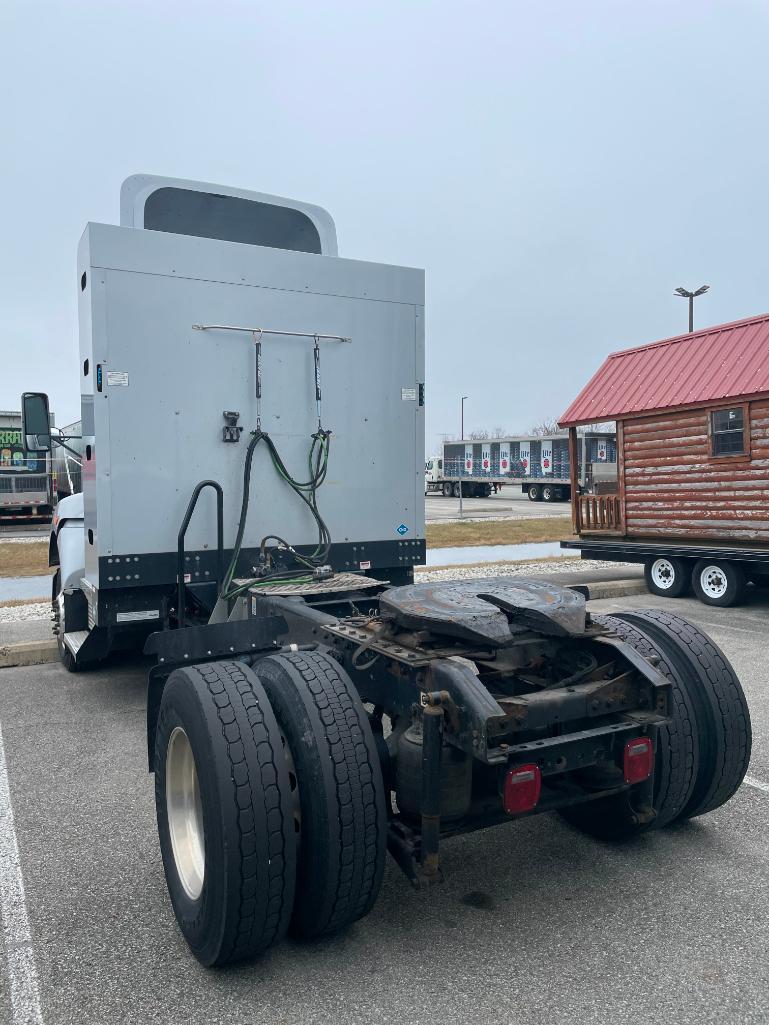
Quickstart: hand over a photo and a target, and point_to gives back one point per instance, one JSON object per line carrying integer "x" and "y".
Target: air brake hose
{"x": 307, "y": 491}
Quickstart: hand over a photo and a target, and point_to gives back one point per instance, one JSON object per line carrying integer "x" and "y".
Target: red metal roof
{"x": 722, "y": 362}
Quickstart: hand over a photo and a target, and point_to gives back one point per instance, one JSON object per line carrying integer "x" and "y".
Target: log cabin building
{"x": 692, "y": 416}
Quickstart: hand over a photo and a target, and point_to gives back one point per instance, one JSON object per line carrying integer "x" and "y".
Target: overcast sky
{"x": 557, "y": 168}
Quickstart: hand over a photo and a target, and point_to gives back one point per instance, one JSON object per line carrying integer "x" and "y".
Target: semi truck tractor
{"x": 252, "y": 512}
{"x": 539, "y": 466}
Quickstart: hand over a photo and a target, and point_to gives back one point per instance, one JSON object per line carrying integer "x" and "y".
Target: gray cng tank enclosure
{"x": 160, "y": 367}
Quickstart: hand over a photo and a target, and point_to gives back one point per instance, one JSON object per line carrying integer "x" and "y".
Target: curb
{"x": 611, "y": 588}
{"x": 28, "y": 653}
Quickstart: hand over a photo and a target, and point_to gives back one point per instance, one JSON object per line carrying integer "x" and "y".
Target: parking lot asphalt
{"x": 508, "y": 504}
{"x": 535, "y": 923}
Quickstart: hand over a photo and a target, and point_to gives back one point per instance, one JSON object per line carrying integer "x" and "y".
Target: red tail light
{"x": 639, "y": 760}
{"x": 523, "y": 786}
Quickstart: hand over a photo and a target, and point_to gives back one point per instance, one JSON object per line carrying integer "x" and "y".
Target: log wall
{"x": 674, "y": 489}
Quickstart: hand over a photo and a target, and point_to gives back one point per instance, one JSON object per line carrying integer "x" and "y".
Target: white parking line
{"x": 20, "y": 956}
{"x": 728, "y": 626}
{"x": 757, "y": 784}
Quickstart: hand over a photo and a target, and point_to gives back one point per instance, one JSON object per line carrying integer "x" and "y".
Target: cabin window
{"x": 727, "y": 432}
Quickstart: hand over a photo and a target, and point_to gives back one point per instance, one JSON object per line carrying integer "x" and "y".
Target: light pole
{"x": 684, "y": 293}
{"x": 461, "y": 465}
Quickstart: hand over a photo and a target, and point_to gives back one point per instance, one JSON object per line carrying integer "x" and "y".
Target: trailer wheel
{"x": 548, "y": 493}
{"x": 224, "y": 812}
{"x": 341, "y": 793}
{"x": 717, "y": 701}
{"x": 534, "y": 495}
{"x": 677, "y": 757}
{"x": 457, "y": 489}
{"x": 719, "y": 583}
{"x": 667, "y": 577}
{"x": 447, "y": 489}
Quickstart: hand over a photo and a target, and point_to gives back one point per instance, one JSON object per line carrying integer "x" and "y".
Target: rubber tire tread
{"x": 246, "y": 805}
{"x": 721, "y": 711}
{"x": 344, "y": 822}
{"x": 677, "y": 757}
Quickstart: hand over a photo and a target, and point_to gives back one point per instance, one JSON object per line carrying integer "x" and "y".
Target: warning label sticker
{"x": 408, "y": 394}
{"x": 117, "y": 377}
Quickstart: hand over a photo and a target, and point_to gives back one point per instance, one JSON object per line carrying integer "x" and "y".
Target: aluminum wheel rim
{"x": 663, "y": 574}
{"x": 713, "y": 582}
{"x": 185, "y": 813}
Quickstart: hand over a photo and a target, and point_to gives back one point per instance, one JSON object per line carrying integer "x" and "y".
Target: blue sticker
{"x": 402, "y": 529}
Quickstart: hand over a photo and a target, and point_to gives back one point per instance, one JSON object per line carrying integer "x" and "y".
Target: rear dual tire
{"x": 703, "y": 754}
{"x": 230, "y": 860}
{"x": 284, "y": 794}
{"x": 343, "y": 834}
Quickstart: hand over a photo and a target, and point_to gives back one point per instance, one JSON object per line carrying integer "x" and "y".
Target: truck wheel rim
{"x": 713, "y": 581}
{"x": 293, "y": 782}
{"x": 185, "y": 813}
{"x": 663, "y": 574}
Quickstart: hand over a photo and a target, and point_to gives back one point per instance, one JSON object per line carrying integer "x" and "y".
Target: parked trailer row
{"x": 539, "y": 466}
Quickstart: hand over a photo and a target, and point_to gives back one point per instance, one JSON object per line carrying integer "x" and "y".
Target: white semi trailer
{"x": 538, "y": 466}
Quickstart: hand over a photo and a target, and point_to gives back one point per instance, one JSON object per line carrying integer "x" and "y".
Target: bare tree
{"x": 544, "y": 428}
{"x": 607, "y": 427}
{"x": 498, "y": 432}
{"x": 479, "y": 435}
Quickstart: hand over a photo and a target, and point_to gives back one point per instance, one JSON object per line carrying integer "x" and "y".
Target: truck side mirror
{"x": 35, "y": 422}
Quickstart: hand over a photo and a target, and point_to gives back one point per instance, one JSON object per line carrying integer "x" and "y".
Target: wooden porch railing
{"x": 600, "y": 514}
